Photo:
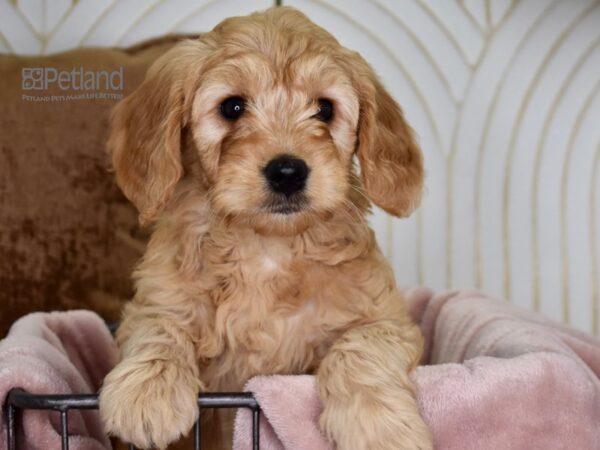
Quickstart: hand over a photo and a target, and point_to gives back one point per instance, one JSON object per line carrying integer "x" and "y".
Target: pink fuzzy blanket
{"x": 495, "y": 377}
{"x": 57, "y": 353}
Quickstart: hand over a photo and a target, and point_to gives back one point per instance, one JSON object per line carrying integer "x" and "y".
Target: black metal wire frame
{"x": 18, "y": 399}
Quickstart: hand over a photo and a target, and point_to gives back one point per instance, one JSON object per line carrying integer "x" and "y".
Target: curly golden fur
{"x": 228, "y": 288}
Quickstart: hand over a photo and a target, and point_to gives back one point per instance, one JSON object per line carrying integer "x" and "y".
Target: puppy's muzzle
{"x": 286, "y": 175}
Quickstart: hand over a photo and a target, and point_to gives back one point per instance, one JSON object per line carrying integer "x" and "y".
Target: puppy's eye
{"x": 325, "y": 110}
{"x": 233, "y": 107}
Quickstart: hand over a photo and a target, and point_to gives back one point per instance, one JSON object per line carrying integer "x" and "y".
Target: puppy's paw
{"x": 372, "y": 426}
{"x": 149, "y": 404}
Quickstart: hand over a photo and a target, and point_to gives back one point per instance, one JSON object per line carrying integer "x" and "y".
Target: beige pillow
{"x": 68, "y": 237}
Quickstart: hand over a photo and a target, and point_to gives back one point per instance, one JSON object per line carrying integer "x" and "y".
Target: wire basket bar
{"x": 19, "y": 399}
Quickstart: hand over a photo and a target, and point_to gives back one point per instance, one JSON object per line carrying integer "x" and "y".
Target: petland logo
{"x": 82, "y": 84}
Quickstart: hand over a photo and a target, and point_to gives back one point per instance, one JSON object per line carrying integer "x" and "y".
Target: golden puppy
{"x": 239, "y": 147}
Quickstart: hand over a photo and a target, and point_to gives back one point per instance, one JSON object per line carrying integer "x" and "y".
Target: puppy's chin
{"x": 289, "y": 224}
{"x": 279, "y": 223}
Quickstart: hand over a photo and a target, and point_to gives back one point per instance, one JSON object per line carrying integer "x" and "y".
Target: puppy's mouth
{"x": 281, "y": 204}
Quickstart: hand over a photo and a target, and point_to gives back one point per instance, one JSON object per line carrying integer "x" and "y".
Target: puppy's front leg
{"x": 150, "y": 398}
{"x": 369, "y": 399}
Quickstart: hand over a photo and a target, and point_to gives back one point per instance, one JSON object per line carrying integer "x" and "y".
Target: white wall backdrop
{"x": 503, "y": 94}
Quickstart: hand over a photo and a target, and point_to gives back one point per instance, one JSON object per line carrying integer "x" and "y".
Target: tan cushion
{"x": 68, "y": 238}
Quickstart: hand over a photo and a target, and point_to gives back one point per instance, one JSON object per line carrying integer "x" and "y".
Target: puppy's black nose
{"x": 286, "y": 175}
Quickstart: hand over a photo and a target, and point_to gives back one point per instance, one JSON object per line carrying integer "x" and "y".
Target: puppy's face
{"x": 275, "y": 128}
{"x": 276, "y": 109}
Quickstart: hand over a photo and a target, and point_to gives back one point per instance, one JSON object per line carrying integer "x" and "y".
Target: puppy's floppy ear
{"x": 390, "y": 159}
{"x": 145, "y": 136}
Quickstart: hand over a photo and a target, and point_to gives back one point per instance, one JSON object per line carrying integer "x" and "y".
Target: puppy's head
{"x": 276, "y": 109}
